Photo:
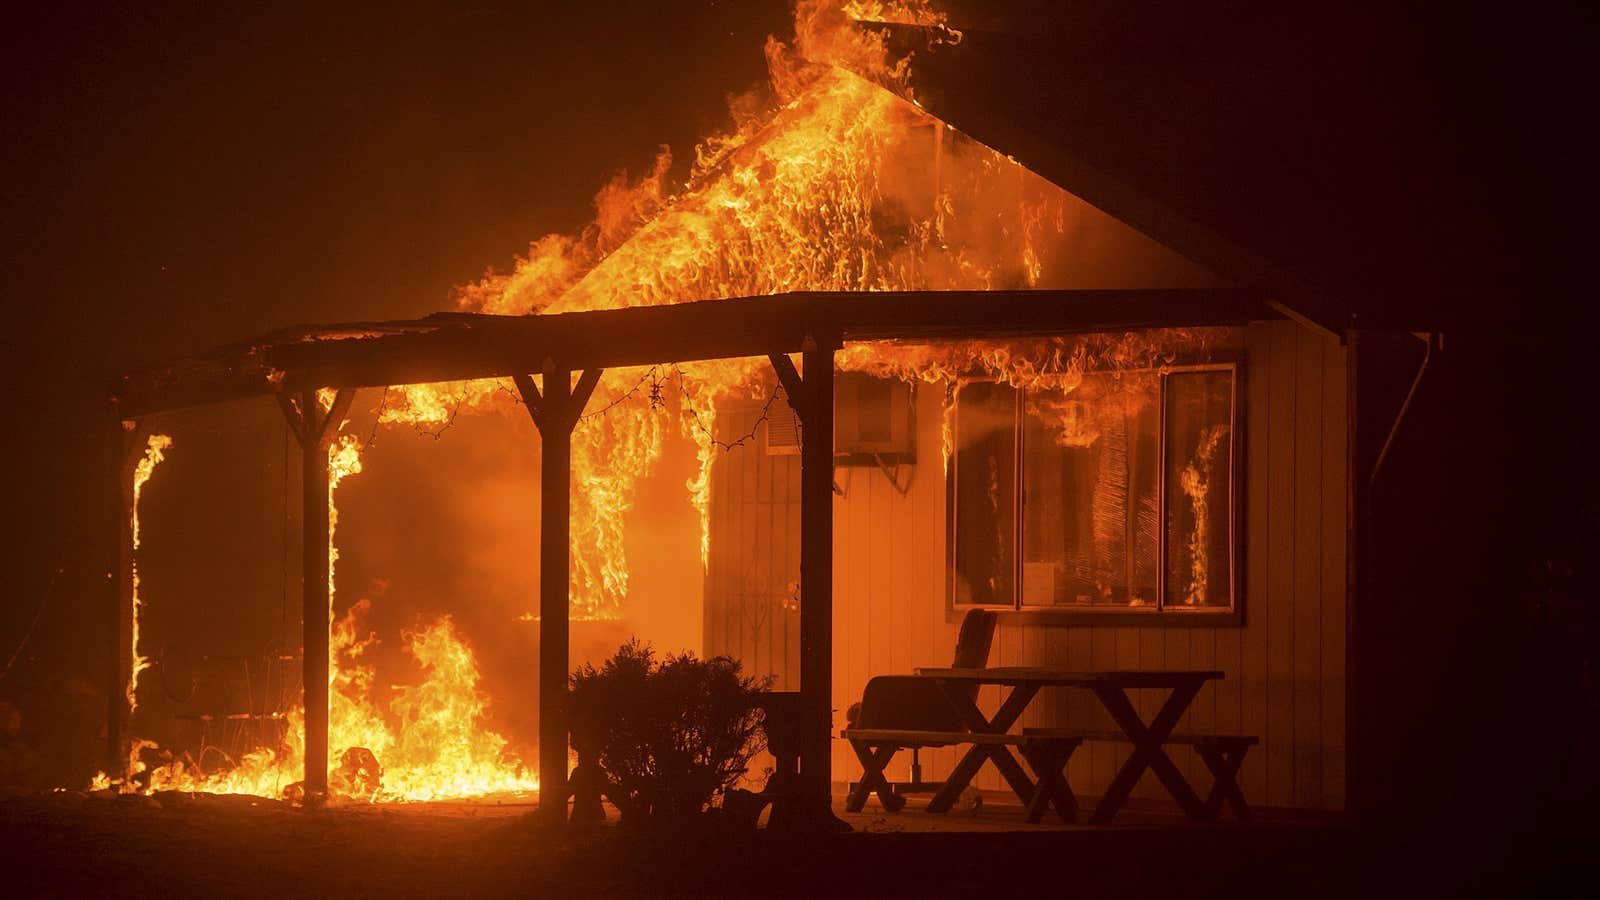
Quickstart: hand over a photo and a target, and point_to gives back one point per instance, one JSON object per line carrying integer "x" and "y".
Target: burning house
{"x": 911, "y": 368}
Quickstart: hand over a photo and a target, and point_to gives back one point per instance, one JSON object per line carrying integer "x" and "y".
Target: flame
{"x": 344, "y": 460}
{"x": 1195, "y": 480}
{"x": 815, "y": 193}
{"x": 431, "y": 742}
{"x": 154, "y": 452}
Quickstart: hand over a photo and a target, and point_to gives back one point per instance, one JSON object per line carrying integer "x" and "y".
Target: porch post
{"x": 119, "y": 583}
{"x": 816, "y": 570}
{"x": 555, "y": 412}
{"x": 314, "y": 430}
{"x": 811, "y": 395}
{"x": 315, "y": 611}
{"x": 1357, "y": 510}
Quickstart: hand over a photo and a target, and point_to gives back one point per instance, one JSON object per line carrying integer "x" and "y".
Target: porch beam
{"x": 458, "y": 346}
{"x": 794, "y": 387}
{"x": 581, "y": 394}
{"x": 531, "y": 398}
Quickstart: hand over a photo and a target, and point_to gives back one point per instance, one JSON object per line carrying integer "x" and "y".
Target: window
{"x": 1101, "y": 493}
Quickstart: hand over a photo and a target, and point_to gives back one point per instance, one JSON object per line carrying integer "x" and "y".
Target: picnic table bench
{"x": 990, "y": 739}
{"x": 876, "y": 746}
{"x": 1048, "y": 750}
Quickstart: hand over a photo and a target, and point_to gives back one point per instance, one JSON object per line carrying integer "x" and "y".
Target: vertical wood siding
{"x": 1285, "y": 666}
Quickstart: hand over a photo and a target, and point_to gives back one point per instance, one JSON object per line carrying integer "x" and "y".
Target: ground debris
{"x": 359, "y": 776}
{"x": 70, "y": 799}
{"x": 174, "y": 799}
{"x": 138, "y": 801}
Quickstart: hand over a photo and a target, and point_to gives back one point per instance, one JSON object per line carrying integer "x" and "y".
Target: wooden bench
{"x": 1222, "y": 754}
{"x": 875, "y": 747}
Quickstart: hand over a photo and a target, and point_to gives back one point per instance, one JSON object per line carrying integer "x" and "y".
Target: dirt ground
{"x": 71, "y": 845}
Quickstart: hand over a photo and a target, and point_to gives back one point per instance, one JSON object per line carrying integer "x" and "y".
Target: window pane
{"x": 985, "y": 492}
{"x": 1199, "y": 488}
{"x": 1091, "y": 468}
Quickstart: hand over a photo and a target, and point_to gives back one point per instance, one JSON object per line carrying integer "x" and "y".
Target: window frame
{"x": 1159, "y": 615}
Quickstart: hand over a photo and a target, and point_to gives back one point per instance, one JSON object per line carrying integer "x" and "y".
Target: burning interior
{"x": 1038, "y": 409}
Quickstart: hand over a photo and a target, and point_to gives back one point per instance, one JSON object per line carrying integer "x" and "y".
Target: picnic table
{"x": 1111, "y": 688}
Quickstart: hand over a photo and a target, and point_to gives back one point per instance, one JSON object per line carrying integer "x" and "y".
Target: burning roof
{"x": 833, "y": 208}
{"x": 843, "y": 212}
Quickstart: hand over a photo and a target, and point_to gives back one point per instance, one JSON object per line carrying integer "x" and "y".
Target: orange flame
{"x": 1195, "y": 480}
{"x": 154, "y": 453}
{"x": 431, "y": 743}
{"x": 828, "y": 191}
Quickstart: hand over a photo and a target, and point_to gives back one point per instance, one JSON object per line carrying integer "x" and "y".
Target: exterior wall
{"x": 1284, "y": 667}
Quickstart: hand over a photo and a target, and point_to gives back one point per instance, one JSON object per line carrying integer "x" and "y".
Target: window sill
{"x": 1108, "y": 617}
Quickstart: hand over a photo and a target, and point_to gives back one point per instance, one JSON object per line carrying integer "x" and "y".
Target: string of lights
{"x": 655, "y": 395}
{"x": 711, "y": 438}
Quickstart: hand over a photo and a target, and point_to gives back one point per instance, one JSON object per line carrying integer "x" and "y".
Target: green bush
{"x": 670, "y": 734}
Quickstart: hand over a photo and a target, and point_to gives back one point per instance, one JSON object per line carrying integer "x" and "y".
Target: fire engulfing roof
{"x": 459, "y": 346}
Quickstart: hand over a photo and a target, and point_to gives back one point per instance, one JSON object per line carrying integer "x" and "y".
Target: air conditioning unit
{"x": 874, "y": 422}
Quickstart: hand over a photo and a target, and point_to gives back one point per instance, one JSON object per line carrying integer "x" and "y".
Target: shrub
{"x": 671, "y": 734}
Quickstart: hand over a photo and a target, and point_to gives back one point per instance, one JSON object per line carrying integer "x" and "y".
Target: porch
{"x": 294, "y": 365}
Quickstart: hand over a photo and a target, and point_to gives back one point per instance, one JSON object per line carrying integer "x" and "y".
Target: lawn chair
{"x": 912, "y": 703}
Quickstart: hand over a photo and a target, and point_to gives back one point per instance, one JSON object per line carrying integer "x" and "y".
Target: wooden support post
{"x": 1357, "y": 510}
{"x": 125, "y": 448}
{"x": 1381, "y": 372}
{"x": 816, "y": 570}
{"x": 554, "y": 412}
{"x": 314, "y": 429}
{"x": 555, "y": 560}
{"x": 811, "y": 396}
{"x": 315, "y": 612}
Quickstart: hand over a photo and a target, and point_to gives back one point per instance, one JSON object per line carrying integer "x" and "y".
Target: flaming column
{"x": 126, "y": 443}
{"x": 555, "y": 412}
{"x": 154, "y": 453}
{"x": 314, "y": 427}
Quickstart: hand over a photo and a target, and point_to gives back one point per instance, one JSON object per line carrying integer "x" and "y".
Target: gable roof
{"x": 1263, "y": 154}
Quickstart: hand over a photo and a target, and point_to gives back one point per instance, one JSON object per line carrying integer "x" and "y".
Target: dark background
{"x": 179, "y": 175}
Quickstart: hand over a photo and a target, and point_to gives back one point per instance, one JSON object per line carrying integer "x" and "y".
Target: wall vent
{"x": 783, "y": 428}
